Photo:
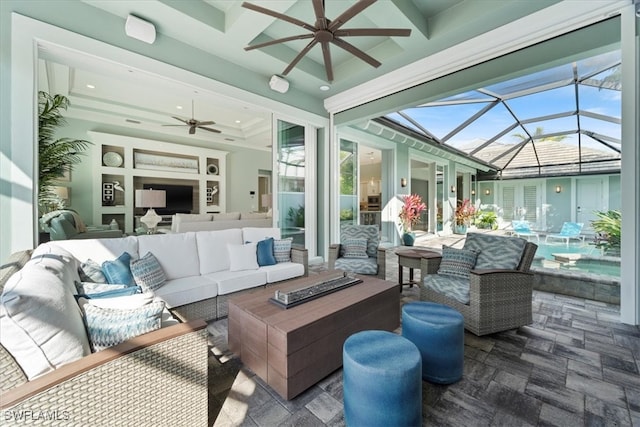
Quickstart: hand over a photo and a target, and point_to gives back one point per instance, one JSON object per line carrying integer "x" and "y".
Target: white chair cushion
{"x": 177, "y": 253}
{"x": 186, "y": 290}
{"x": 233, "y": 281}
{"x": 60, "y": 262}
{"x": 283, "y": 271}
{"x": 213, "y": 251}
{"x": 99, "y": 250}
{"x": 41, "y": 322}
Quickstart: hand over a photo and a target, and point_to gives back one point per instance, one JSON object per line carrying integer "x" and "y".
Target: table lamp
{"x": 151, "y": 199}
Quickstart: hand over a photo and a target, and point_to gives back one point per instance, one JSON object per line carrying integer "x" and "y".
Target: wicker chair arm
{"x": 157, "y": 378}
{"x": 334, "y": 251}
{"x": 490, "y": 283}
{"x": 300, "y": 255}
{"x": 382, "y": 263}
{"x": 429, "y": 264}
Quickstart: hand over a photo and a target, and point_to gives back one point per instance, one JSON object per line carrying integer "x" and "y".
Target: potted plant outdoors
{"x": 608, "y": 231}
{"x": 55, "y": 156}
{"x": 464, "y": 213}
{"x": 410, "y": 216}
{"x": 487, "y": 220}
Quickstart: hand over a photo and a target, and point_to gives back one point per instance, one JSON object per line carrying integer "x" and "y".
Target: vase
{"x": 460, "y": 229}
{"x": 408, "y": 238}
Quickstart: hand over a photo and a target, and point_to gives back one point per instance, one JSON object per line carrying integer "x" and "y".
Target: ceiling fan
{"x": 327, "y": 31}
{"x": 193, "y": 123}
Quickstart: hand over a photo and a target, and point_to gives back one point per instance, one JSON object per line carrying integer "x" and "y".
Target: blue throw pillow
{"x": 265, "y": 252}
{"x": 119, "y": 270}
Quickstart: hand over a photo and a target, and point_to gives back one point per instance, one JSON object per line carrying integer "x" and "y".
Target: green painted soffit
{"x": 81, "y": 18}
{"x": 586, "y": 41}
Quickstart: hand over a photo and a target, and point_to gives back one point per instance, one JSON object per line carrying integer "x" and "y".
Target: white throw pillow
{"x": 243, "y": 257}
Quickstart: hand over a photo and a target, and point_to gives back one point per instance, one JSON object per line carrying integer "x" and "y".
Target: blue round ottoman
{"x": 438, "y": 332}
{"x": 381, "y": 380}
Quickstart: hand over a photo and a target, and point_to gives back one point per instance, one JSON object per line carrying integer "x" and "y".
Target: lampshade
{"x": 151, "y": 198}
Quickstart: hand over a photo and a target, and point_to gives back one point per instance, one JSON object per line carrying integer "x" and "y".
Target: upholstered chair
{"x": 359, "y": 251}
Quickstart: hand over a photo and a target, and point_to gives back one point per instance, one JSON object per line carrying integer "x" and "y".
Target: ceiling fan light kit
{"x": 140, "y": 29}
{"x": 326, "y": 32}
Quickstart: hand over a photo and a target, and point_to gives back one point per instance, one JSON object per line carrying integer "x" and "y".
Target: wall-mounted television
{"x": 179, "y": 198}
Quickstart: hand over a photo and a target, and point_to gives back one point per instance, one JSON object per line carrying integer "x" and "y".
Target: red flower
{"x": 464, "y": 212}
{"x": 410, "y": 212}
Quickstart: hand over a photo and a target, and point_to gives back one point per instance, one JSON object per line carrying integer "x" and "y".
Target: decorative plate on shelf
{"x": 112, "y": 159}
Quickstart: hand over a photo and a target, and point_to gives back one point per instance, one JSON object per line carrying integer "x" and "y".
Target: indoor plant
{"x": 410, "y": 216}
{"x": 55, "y": 156}
{"x": 465, "y": 211}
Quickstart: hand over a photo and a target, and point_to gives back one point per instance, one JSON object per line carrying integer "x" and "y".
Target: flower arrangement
{"x": 464, "y": 212}
{"x": 410, "y": 212}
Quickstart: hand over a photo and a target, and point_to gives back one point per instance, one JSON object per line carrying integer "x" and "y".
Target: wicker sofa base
{"x": 205, "y": 309}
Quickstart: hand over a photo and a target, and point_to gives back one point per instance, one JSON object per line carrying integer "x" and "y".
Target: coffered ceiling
{"x": 218, "y": 31}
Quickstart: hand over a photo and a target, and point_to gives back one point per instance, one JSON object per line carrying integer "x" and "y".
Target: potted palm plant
{"x": 56, "y": 156}
{"x": 410, "y": 216}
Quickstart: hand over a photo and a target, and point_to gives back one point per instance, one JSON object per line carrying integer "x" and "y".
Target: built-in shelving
{"x": 145, "y": 161}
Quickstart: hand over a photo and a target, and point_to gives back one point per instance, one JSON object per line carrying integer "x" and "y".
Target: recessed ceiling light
{"x": 237, "y": 121}
{"x": 325, "y": 88}
{"x": 91, "y": 86}
{"x": 179, "y": 107}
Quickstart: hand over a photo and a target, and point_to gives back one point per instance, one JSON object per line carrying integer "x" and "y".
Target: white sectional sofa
{"x": 181, "y": 223}
{"x": 46, "y": 353}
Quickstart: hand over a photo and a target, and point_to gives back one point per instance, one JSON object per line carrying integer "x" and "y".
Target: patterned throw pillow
{"x": 355, "y": 248}
{"x": 118, "y": 271}
{"x": 110, "y": 326}
{"x": 457, "y": 262}
{"x": 265, "y": 252}
{"x": 282, "y": 250}
{"x": 148, "y": 273}
{"x": 88, "y": 288}
{"x": 90, "y": 271}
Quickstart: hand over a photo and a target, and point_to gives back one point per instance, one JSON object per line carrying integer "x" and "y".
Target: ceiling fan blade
{"x": 390, "y": 32}
{"x": 356, "y": 52}
{"x": 192, "y": 130}
{"x": 206, "y": 123}
{"x": 302, "y": 53}
{"x": 326, "y": 53}
{"x": 350, "y": 13}
{"x": 176, "y": 125}
{"x": 209, "y": 129}
{"x": 321, "y": 18}
{"x": 282, "y": 40}
{"x": 179, "y": 119}
{"x": 278, "y": 15}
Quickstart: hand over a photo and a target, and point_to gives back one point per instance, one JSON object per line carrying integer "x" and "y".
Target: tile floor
{"x": 576, "y": 365}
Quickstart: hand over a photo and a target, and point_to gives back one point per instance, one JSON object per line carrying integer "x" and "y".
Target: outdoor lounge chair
{"x": 522, "y": 229}
{"x": 371, "y": 260}
{"x": 570, "y": 230}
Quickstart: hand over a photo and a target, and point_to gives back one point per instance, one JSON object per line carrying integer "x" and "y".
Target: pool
{"x": 579, "y": 257}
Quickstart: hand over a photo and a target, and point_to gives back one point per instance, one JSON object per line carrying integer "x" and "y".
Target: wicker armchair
{"x": 499, "y": 299}
{"x": 373, "y": 265}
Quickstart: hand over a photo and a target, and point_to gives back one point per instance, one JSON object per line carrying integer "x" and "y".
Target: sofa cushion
{"x": 253, "y": 215}
{"x": 110, "y": 326}
{"x": 457, "y": 262}
{"x": 148, "y": 273}
{"x": 283, "y": 271}
{"x": 226, "y": 216}
{"x": 119, "y": 270}
{"x": 355, "y": 247}
{"x": 90, "y": 271}
{"x": 264, "y": 251}
{"x": 454, "y": 287}
{"x": 233, "y": 281}
{"x": 369, "y": 232}
{"x": 213, "y": 252}
{"x": 243, "y": 257}
{"x": 99, "y": 250}
{"x": 59, "y": 262}
{"x": 177, "y": 253}
{"x": 495, "y": 252}
{"x": 358, "y": 265}
{"x": 255, "y": 234}
{"x": 41, "y": 322}
{"x": 282, "y": 249}
{"x": 185, "y": 290}
{"x": 180, "y": 218}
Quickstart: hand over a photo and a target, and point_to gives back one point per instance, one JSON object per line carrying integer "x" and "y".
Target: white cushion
{"x": 60, "y": 262}
{"x": 226, "y": 216}
{"x": 41, "y": 322}
{"x": 283, "y": 271}
{"x": 186, "y": 290}
{"x": 255, "y": 234}
{"x": 177, "y": 253}
{"x": 213, "y": 252}
{"x": 125, "y": 303}
{"x": 233, "y": 281}
{"x": 99, "y": 250}
{"x": 253, "y": 215}
{"x": 182, "y": 218}
{"x": 243, "y": 257}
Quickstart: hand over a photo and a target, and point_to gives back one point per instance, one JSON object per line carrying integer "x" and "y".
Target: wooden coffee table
{"x": 292, "y": 349}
